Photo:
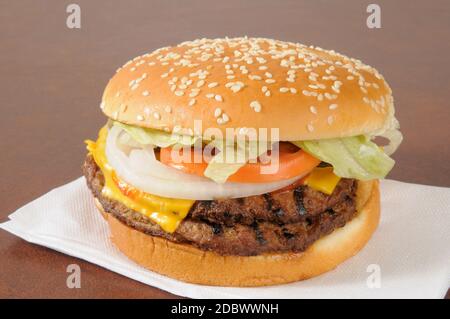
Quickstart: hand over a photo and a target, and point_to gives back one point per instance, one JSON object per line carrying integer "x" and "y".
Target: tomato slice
{"x": 292, "y": 162}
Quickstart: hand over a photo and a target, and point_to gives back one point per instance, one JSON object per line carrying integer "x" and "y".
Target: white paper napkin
{"x": 408, "y": 256}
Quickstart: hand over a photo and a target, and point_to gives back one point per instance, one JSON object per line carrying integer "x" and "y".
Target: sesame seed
{"x": 310, "y": 127}
{"x": 145, "y": 93}
{"x": 157, "y": 116}
{"x": 179, "y": 93}
{"x": 236, "y": 88}
{"x": 192, "y": 102}
{"x": 256, "y": 106}
{"x": 313, "y": 109}
{"x": 200, "y": 83}
{"x": 225, "y": 118}
{"x": 333, "y": 106}
{"x": 134, "y": 87}
{"x": 217, "y": 112}
{"x": 218, "y": 98}
{"x": 213, "y": 84}
{"x": 330, "y": 120}
{"x": 306, "y": 93}
{"x": 140, "y": 118}
{"x": 168, "y": 109}
{"x": 210, "y": 95}
{"x": 102, "y": 105}
{"x": 284, "y": 90}
{"x": 255, "y": 77}
{"x": 193, "y": 93}
{"x": 269, "y": 75}
{"x": 270, "y": 81}
{"x": 164, "y": 75}
{"x": 293, "y": 90}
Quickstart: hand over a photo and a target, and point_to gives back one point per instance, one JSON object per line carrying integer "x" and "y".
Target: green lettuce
{"x": 232, "y": 157}
{"x": 352, "y": 157}
{"x": 155, "y": 137}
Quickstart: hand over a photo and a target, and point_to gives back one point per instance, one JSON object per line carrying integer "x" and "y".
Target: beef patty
{"x": 285, "y": 221}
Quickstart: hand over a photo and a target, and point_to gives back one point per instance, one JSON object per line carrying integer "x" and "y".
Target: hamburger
{"x": 242, "y": 161}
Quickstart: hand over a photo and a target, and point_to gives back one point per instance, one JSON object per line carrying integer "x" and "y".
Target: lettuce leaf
{"x": 352, "y": 157}
{"x": 232, "y": 157}
{"x": 155, "y": 137}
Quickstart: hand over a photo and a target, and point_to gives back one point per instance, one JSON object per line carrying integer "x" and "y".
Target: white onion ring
{"x": 151, "y": 176}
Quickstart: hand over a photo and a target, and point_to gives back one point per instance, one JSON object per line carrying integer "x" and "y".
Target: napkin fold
{"x": 408, "y": 256}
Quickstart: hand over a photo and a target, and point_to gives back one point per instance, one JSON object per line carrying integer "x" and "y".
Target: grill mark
{"x": 298, "y": 198}
{"x": 217, "y": 229}
{"x": 288, "y": 235}
{"x": 279, "y": 212}
{"x": 269, "y": 202}
{"x": 258, "y": 234}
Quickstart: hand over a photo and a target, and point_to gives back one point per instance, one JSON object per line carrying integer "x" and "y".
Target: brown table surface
{"x": 52, "y": 78}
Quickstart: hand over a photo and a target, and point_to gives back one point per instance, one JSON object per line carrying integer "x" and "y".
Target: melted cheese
{"x": 322, "y": 179}
{"x": 166, "y": 212}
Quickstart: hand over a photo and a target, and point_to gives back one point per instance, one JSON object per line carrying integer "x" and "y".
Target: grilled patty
{"x": 286, "y": 221}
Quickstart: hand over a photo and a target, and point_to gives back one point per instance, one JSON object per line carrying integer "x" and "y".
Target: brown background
{"x": 52, "y": 78}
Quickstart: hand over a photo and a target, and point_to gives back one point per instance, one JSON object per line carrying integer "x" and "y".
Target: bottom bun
{"x": 187, "y": 263}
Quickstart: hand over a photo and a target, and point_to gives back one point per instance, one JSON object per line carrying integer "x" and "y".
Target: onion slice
{"x": 395, "y": 138}
{"x": 141, "y": 169}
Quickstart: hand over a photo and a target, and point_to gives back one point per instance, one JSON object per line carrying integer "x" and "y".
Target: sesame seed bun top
{"x": 306, "y": 92}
